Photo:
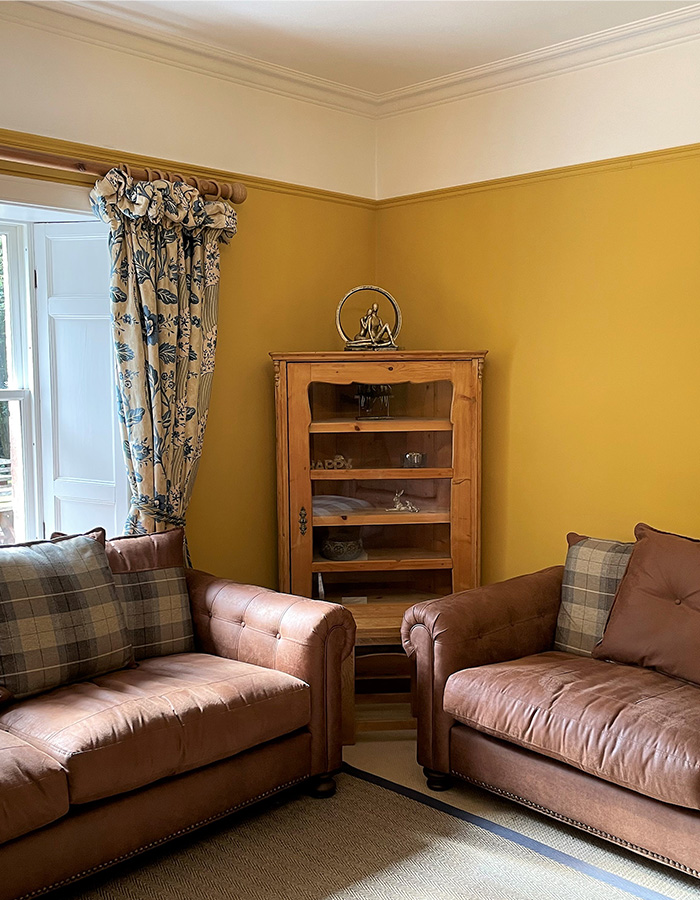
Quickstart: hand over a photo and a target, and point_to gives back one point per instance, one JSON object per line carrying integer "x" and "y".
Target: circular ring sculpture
{"x": 374, "y": 334}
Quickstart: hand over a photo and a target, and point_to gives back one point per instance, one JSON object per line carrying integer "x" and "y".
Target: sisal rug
{"x": 372, "y": 840}
{"x": 395, "y": 761}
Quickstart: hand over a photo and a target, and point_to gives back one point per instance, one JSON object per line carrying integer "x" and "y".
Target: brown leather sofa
{"x": 612, "y": 749}
{"x": 95, "y": 772}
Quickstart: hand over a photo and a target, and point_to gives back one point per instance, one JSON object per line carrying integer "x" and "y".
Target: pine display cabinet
{"x": 378, "y": 487}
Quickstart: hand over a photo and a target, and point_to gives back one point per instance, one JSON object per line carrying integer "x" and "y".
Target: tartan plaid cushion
{"x": 60, "y": 619}
{"x": 157, "y": 609}
{"x": 592, "y": 573}
{"x": 149, "y": 575}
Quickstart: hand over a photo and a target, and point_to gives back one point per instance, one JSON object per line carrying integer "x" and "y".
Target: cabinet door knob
{"x": 302, "y": 520}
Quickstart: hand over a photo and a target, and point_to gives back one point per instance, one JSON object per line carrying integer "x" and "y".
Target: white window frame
{"x": 22, "y": 364}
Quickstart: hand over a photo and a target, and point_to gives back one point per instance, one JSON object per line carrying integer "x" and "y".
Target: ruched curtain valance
{"x": 164, "y": 244}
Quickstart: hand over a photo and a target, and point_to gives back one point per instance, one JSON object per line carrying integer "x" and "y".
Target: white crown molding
{"x": 136, "y": 34}
{"x": 646, "y": 35}
{"x": 89, "y": 24}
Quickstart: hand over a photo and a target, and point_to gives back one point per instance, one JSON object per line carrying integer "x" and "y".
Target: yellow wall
{"x": 586, "y": 291}
{"x": 282, "y": 277}
{"x": 584, "y": 287}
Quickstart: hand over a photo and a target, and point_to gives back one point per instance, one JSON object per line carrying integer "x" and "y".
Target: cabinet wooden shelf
{"x": 394, "y": 474}
{"x": 379, "y": 560}
{"x": 432, "y": 402}
{"x": 382, "y": 517}
{"x": 338, "y": 426}
{"x": 387, "y": 716}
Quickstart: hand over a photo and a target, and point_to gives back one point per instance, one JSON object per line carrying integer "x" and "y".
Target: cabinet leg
{"x": 348, "y": 699}
{"x": 437, "y": 781}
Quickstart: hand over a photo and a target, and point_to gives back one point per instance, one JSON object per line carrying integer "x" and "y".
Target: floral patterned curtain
{"x": 164, "y": 243}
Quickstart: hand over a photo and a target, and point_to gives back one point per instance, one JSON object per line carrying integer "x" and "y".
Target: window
{"x": 61, "y": 459}
{"x": 17, "y": 467}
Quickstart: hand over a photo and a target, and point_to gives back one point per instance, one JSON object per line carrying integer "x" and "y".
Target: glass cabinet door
{"x": 383, "y": 480}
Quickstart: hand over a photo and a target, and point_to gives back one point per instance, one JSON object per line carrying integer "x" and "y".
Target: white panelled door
{"x": 83, "y": 473}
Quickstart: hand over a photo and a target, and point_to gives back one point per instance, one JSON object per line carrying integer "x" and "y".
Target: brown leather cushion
{"x": 143, "y": 552}
{"x": 634, "y": 727}
{"x": 655, "y": 619}
{"x": 33, "y": 788}
{"x": 171, "y": 714}
{"x": 138, "y": 552}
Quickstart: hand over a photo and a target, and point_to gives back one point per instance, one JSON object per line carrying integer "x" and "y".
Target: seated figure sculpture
{"x": 373, "y": 333}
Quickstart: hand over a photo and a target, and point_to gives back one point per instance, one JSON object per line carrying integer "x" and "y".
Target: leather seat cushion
{"x": 33, "y": 788}
{"x": 169, "y": 715}
{"x": 631, "y": 726}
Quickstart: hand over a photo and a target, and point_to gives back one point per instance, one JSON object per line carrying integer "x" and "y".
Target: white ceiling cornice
{"x": 664, "y": 30}
{"x": 87, "y": 22}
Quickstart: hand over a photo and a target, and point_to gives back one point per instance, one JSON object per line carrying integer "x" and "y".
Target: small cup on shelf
{"x": 413, "y": 460}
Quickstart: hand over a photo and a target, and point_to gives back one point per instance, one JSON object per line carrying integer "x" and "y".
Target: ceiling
{"x": 374, "y": 46}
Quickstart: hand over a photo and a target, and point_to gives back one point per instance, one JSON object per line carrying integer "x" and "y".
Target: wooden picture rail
{"x": 235, "y": 192}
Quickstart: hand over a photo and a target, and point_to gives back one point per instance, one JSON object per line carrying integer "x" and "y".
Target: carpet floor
{"x": 395, "y": 760}
{"x": 372, "y": 840}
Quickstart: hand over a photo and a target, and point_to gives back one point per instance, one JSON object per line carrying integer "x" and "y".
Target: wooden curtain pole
{"x": 235, "y": 191}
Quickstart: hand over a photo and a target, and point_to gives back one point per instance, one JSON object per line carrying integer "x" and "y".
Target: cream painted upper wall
{"x": 77, "y": 91}
{"x": 632, "y": 105}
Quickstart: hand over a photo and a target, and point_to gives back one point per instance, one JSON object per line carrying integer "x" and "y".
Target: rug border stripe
{"x": 617, "y": 881}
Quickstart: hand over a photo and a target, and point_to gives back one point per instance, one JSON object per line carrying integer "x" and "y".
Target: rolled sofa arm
{"x": 489, "y": 624}
{"x": 308, "y": 639}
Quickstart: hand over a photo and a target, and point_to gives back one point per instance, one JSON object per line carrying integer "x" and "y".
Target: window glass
{"x": 17, "y": 472}
{"x": 12, "y": 474}
{"x": 4, "y": 314}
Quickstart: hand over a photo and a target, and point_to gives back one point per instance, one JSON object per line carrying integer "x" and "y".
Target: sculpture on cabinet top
{"x": 374, "y": 333}
{"x": 372, "y": 329}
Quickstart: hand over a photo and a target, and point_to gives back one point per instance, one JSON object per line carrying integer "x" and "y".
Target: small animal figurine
{"x": 402, "y": 505}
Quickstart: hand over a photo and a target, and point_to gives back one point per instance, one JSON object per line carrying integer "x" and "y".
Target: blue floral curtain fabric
{"x": 164, "y": 243}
